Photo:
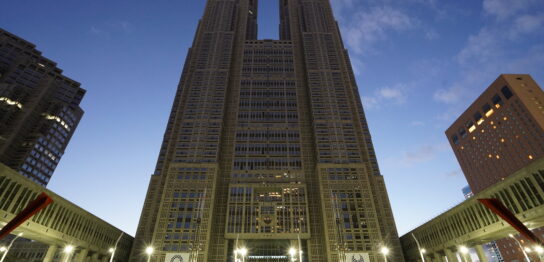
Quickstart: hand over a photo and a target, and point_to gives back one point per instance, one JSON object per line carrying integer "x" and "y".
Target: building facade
{"x": 267, "y": 148}
{"x": 39, "y": 109}
{"x": 491, "y": 250}
{"x": 500, "y": 133}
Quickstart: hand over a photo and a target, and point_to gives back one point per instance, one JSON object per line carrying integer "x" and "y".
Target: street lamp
{"x": 243, "y": 252}
{"x": 464, "y": 251}
{"x": 112, "y": 249}
{"x": 149, "y": 251}
{"x": 520, "y": 246}
{"x": 384, "y": 251}
{"x": 68, "y": 250}
{"x": 112, "y": 252}
{"x": 293, "y": 253}
{"x": 6, "y": 249}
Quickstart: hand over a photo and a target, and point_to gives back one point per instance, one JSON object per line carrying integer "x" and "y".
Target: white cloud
{"x": 369, "y": 102}
{"x": 386, "y": 95}
{"x": 449, "y": 96}
{"x": 526, "y": 24}
{"x": 371, "y": 26}
{"x": 422, "y": 154}
{"x": 503, "y": 9}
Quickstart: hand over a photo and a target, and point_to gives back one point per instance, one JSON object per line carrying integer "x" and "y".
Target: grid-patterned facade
{"x": 267, "y": 147}
{"x": 39, "y": 109}
{"x": 500, "y": 133}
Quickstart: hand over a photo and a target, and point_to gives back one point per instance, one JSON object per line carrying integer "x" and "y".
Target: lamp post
{"x": 149, "y": 251}
{"x": 6, "y": 249}
{"x": 384, "y": 251}
{"x": 68, "y": 250}
{"x": 113, "y": 249}
{"x": 520, "y": 246}
{"x": 421, "y": 250}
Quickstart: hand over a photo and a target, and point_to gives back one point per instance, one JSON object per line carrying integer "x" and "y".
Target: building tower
{"x": 267, "y": 149}
{"x": 500, "y": 133}
{"x": 39, "y": 109}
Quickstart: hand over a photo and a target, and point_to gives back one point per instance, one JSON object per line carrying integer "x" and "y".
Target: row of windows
{"x": 267, "y": 163}
{"x": 268, "y": 83}
{"x": 258, "y": 69}
{"x": 267, "y": 135}
{"x": 478, "y": 119}
{"x": 266, "y": 148}
{"x": 268, "y": 116}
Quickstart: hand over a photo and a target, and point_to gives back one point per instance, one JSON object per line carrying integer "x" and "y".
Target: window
{"x": 488, "y": 111}
{"x": 478, "y": 118}
{"x": 455, "y": 139}
{"x": 506, "y": 92}
{"x": 497, "y": 101}
{"x": 462, "y": 132}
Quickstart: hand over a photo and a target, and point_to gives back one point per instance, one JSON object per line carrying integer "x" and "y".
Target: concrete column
{"x": 67, "y": 256}
{"x": 466, "y": 257}
{"x": 51, "y": 251}
{"x": 94, "y": 257}
{"x": 481, "y": 254}
{"x": 451, "y": 256}
{"x": 81, "y": 256}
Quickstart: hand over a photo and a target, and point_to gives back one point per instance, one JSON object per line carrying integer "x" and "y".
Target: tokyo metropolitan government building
{"x": 267, "y": 155}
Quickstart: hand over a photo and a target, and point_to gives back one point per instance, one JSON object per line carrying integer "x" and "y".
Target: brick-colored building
{"x": 501, "y": 132}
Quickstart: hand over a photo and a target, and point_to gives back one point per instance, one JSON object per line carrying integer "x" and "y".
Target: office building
{"x": 500, "y": 133}
{"x": 467, "y": 192}
{"x": 39, "y": 109}
{"x": 267, "y": 155}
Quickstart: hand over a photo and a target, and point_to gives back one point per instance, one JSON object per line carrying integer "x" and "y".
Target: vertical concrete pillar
{"x": 51, "y": 251}
{"x": 81, "y": 256}
{"x": 466, "y": 257}
{"x": 481, "y": 254}
{"x": 451, "y": 256}
{"x": 67, "y": 256}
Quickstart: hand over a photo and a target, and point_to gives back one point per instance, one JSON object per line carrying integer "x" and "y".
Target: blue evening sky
{"x": 419, "y": 64}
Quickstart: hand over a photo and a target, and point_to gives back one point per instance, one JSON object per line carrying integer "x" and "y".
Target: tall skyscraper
{"x": 267, "y": 151}
{"x": 500, "y": 133}
{"x": 39, "y": 109}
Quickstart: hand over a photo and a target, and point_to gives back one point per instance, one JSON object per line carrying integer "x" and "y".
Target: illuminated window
{"x": 502, "y": 140}
{"x": 497, "y": 101}
{"x": 478, "y": 118}
{"x": 497, "y": 156}
{"x": 530, "y": 157}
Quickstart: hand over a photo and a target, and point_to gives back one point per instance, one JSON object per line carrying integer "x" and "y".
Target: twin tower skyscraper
{"x": 267, "y": 155}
